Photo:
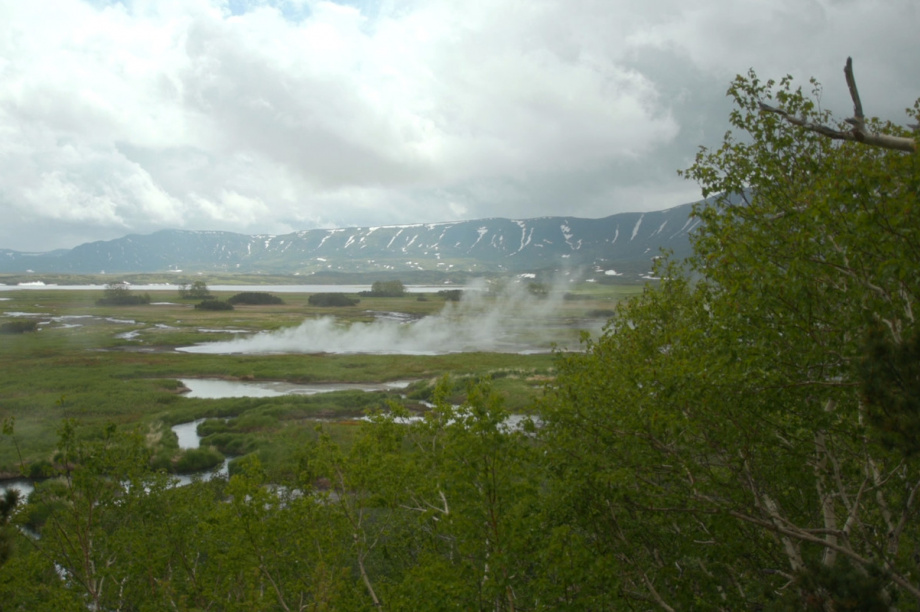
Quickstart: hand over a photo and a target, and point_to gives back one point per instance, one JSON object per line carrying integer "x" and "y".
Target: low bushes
{"x": 197, "y": 460}
{"x": 451, "y": 295}
{"x": 255, "y": 298}
{"x": 233, "y": 443}
{"x": 18, "y": 327}
{"x": 331, "y": 299}
{"x": 214, "y": 305}
{"x": 119, "y": 294}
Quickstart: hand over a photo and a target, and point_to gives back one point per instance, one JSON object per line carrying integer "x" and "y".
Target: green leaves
{"x": 723, "y": 419}
{"x": 741, "y": 436}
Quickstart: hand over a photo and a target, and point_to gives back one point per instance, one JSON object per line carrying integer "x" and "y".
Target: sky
{"x": 273, "y": 116}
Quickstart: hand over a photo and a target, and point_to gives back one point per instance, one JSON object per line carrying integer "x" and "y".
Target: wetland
{"x": 147, "y": 367}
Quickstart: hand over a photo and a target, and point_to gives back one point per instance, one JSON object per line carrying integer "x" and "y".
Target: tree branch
{"x": 858, "y": 133}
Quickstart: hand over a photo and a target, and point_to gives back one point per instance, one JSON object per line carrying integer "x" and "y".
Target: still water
{"x": 234, "y": 288}
{"x": 215, "y": 388}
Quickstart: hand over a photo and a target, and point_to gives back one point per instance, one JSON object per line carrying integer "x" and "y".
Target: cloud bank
{"x": 277, "y": 115}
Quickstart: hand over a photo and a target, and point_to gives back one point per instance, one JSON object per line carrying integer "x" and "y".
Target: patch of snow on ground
{"x": 636, "y": 229}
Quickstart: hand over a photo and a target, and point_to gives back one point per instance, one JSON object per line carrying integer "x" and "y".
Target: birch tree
{"x": 725, "y": 435}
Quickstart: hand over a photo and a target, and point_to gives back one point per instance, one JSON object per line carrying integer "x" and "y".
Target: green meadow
{"x": 118, "y": 365}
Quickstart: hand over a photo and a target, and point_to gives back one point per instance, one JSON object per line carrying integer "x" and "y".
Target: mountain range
{"x": 624, "y": 243}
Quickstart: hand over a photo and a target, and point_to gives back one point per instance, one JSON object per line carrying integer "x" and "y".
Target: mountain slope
{"x": 626, "y": 241}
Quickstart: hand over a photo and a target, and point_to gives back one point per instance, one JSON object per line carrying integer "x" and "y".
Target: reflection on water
{"x": 221, "y": 471}
{"x": 189, "y": 438}
{"x": 23, "y": 485}
{"x": 188, "y": 434}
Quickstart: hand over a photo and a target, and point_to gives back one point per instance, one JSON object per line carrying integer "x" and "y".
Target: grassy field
{"x": 118, "y": 364}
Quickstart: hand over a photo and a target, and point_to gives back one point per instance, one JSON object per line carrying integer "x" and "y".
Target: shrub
{"x": 213, "y": 426}
{"x": 40, "y": 469}
{"x": 232, "y": 443}
{"x": 18, "y": 327}
{"x": 254, "y": 422}
{"x": 196, "y": 291}
{"x": 255, "y": 298}
{"x": 214, "y": 305}
{"x": 119, "y": 294}
{"x": 385, "y": 289}
{"x": 331, "y": 299}
{"x": 197, "y": 460}
{"x": 601, "y": 313}
{"x": 538, "y": 289}
{"x": 451, "y": 295}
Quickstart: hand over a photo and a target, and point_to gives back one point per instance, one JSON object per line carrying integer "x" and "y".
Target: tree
{"x": 393, "y": 288}
{"x": 8, "y": 502}
{"x": 440, "y": 514}
{"x": 85, "y": 510}
{"x": 717, "y": 434}
{"x": 857, "y": 130}
{"x": 741, "y": 436}
{"x": 198, "y": 290}
{"x": 119, "y": 294}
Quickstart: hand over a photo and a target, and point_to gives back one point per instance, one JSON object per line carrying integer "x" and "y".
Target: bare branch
{"x": 655, "y": 594}
{"x": 895, "y": 536}
{"x": 859, "y": 133}
{"x": 858, "y": 117}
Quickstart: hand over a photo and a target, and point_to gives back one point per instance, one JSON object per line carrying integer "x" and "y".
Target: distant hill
{"x": 625, "y": 242}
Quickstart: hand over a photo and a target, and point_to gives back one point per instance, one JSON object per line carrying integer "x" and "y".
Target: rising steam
{"x": 511, "y": 320}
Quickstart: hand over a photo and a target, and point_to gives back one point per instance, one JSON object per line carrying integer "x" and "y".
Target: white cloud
{"x": 281, "y": 115}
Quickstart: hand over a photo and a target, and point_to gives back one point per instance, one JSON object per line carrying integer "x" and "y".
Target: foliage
{"x": 214, "y": 305}
{"x": 451, "y": 295}
{"x": 389, "y": 289}
{"x": 8, "y": 502}
{"x": 741, "y": 436}
{"x": 712, "y": 446}
{"x": 19, "y": 326}
{"x": 197, "y": 460}
{"x": 125, "y": 540}
{"x": 890, "y": 378}
{"x": 119, "y": 294}
{"x": 255, "y": 298}
{"x": 538, "y": 289}
{"x": 332, "y": 299}
{"x": 197, "y": 290}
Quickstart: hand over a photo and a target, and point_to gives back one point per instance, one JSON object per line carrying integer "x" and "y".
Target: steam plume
{"x": 511, "y": 320}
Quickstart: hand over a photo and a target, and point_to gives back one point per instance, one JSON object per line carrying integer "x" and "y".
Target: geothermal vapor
{"x": 509, "y": 320}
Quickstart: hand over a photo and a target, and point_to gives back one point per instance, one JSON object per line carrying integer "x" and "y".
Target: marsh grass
{"x": 101, "y": 364}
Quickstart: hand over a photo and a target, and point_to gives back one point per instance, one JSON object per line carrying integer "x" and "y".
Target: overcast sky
{"x": 270, "y": 116}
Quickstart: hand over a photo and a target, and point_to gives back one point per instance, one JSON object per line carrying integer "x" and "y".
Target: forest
{"x": 743, "y": 435}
